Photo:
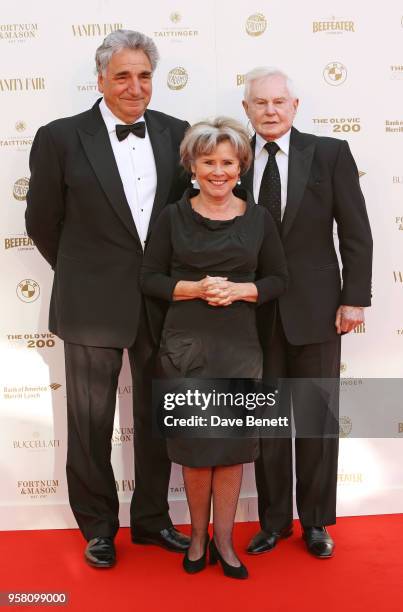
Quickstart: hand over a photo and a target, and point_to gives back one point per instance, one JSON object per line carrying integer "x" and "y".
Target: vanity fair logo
{"x": 335, "y": 73}
{"x": 28, "y": 392}
{"x": 124, "y": 390}
{"x": 177, "y": 32}
{"x": 37, "y": 489}
{"x": 36, "y": 443}
{"x": 256, "y": 24}
{"x": 400, "y": 428}
{"x": 36, "y": 340}
{"x": 18, "y": 84}
{"x": 177, "y": 78}
{"x": 393, "y": 126}
{"x": 333, "y": 25}
{"x": 398, "y": 277}
{"x": 18, "y": 32}
{"x": 124, "y": 486}
{"x": 361, "y": 173}
{"x": 19, "y": 242}
{"x": 28, "y": 290}
{"x": 337, "y": 125}
{"x": 240, "y": 80}
{"x": 345, "y": 426}
{"x": 360, "y": 329}
{"x": 20, "y": 189}
{"x": 89, "y": 30}
{"x": 397, "y": 180}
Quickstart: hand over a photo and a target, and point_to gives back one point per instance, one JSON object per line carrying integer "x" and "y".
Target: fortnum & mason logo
{"x": 335, "y": 73}
{"x": 18, "y": 32}
{"x": 345, "y": 426}
{"x": 256, "y": 24}
{"x": 177, "y": 78}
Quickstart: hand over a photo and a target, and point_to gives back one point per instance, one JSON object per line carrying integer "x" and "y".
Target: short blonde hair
{"x": 203, "y": 137}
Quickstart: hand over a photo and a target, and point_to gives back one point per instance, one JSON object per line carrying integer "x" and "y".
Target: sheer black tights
{"x": 222, "y": 484}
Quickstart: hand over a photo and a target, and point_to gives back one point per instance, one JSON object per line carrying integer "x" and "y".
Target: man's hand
{"x": 348, "y": 318}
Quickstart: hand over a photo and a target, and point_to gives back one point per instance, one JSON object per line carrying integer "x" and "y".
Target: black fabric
{"x": 138, "y": 129}
{"x": 78, "y": 216}
{"x": 270, "y": 187}
{"x": 92, "y": 375}
{"x": 315, "y": 458}
{"x": 323, "y": 187}
{"x": 199, "y": 340}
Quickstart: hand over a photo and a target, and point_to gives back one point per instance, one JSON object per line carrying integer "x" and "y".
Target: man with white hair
{"x": 306, "y": 182}
{"x": 98, "y": 181}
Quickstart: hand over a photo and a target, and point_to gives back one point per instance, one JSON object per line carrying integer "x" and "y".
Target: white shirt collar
{"x": 283, "y": 142}
{"x": 110, "y": 119}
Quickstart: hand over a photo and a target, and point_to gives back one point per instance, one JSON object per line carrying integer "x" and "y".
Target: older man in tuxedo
{"x": 98, "y": 181}
{"x": 307, "y": 182}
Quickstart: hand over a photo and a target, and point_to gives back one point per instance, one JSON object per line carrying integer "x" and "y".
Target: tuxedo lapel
{"x": 247, "y": 179}
{"x": 161, "y": 143}
{"x": 299, "y": 165}
{"x": 97, "y": 146}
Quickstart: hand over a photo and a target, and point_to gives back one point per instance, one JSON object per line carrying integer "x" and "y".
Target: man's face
{"x": 127, "y": 84}
{"x": 270, "y": 107}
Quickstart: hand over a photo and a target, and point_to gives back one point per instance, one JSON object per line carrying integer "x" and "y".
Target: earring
{"x": 238, "y": 181}
{"x": 194, "y": 182}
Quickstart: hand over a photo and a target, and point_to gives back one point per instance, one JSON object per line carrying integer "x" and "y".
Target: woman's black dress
{"x": 205, "y": 341}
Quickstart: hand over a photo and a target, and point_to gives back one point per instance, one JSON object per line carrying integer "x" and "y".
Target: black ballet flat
{"x": 193, "y": 567}
{"x": 229, "y": 570}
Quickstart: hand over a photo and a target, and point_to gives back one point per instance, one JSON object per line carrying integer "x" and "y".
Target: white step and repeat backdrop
{"x": 347, "y": 63}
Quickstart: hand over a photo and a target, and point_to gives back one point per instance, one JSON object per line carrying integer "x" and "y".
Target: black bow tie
{"x": 138, "y": 129}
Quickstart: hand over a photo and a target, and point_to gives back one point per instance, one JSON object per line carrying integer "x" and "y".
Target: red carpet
{"x": 366, "y": 573}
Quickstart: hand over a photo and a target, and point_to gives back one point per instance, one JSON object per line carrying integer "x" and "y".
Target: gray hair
{"x": 203, "y": 137}
{"x": 125, "y": 39}
{"x": 267, "y": 71}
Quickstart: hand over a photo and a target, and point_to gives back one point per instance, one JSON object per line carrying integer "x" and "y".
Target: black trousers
{"x": 92, "y": 378}
{"x": 316, "y": 457}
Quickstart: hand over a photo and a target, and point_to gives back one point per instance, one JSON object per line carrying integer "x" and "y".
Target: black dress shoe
{"x": 232, "y": 571}
{"x": 170, "y": 538}
{"x": 100, "y": 552}
{"x": 193, "y": 567}
{"x": 318, "y": 542}
{"x": 266, "y": 540}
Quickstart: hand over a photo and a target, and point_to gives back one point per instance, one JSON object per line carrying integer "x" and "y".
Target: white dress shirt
{"x": 261, "y": 157}
{"x": 136, "y": 164}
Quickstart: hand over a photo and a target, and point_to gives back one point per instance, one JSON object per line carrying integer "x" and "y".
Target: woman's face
{"x": 217, "y": 173}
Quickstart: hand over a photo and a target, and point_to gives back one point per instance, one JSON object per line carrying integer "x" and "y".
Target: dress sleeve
{"x": 155, "y": 279}
{"x": 271, "y": 276}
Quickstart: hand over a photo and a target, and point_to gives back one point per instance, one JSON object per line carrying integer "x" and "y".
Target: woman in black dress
{"x": 214, "y": 255}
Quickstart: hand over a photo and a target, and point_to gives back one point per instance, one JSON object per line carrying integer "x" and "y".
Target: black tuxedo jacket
{"x": 323, "y": 187}
{"x": 78, "y": 216}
